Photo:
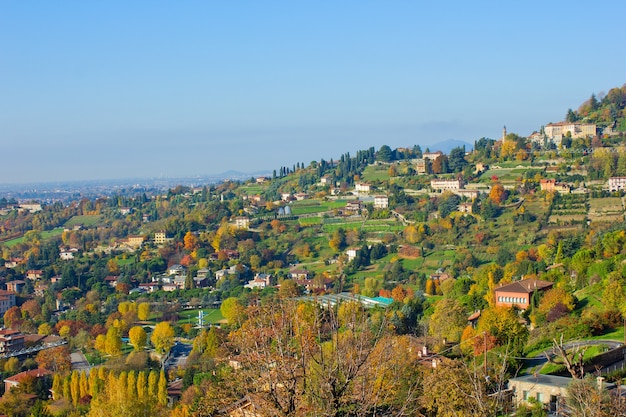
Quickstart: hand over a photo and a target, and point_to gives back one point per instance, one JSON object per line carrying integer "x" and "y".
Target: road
{"x": 178, "y": 356}
{"x": 538, "y": 361}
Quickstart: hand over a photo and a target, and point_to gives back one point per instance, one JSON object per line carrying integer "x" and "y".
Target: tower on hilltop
{"x": 504, "y": 134}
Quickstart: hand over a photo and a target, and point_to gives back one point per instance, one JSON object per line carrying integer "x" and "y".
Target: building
{"x": 7, "y": 300}
{"x": 111, "y": 280}
{"x": 518, "y": 293}
{"x": 550, "y": 185}
{"x": 432, "y": 155}
{"x": 15, "y": 380}
{"x": 465, "y": 207}
{"x": 446, "y": 184}
{"x": 260, "y": 281}
{"x": 381, "y": 202}
{"x": 135, "y": 241}
{"x": 362, "y": 187}
{"x": 66, "y": 255}
{"x": 242, "y": 222}
{"x": 420, "y": 165}
{"x": 31, "y": 207}
{"x": 617, "y": 184}
{"x": 555, "y": 132}
{"x": 353, "y": 206}
{"x": 160, "y": 238}
{"x": 34, "y": 274}
{"x": 15, "y": 286}
{"x": 352, "y": 252}
{"x": 11, "y": 340}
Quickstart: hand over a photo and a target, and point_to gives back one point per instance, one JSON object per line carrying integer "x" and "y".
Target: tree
{"x": 162, "y": 389}
{"x": 190, "y": 241}
{"x": 456, "y": 159}
{"x": 113, "y": 342}
{"x": 55, "y": 359}
{"x": 448, "y": 320}
{"x": 138, "y": 337}
{"x": 162, "y": 337}
{"x": 497, "y": 194}
{"x": 232, "y": 310}
{"x": 384, "y": 154}
{"x": 143, "y": 311}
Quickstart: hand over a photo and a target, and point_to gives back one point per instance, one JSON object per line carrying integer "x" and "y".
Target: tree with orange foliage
{"x": 13, "y": 317}
{"x": 497, "y": 194}
{"x": 55, "y": 359}
{"x": 191, "y": 241}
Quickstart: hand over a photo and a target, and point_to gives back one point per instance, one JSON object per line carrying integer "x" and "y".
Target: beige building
{"x": 617, "y": 183}
{"x": 555, "y": 132}
{"x": 446, "y": 184}
{"x": 381, "y": 202}
{"x": 160, "y": 238}
{"x": 242, "y": 223}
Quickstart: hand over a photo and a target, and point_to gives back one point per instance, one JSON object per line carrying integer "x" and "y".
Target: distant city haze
{"x": 143, "y": 89}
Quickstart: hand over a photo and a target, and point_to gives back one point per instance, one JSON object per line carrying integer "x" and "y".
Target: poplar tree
{"x": 153, "y": 379}
{"x": 131, "y": 384}
{"x": 162, "y": 389}
{"x": 83, "y": 384}
{"x": 75, "y": 387}
{"x": 142, "y": 385}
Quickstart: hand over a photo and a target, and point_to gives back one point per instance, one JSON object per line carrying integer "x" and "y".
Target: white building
{"x": 617, "y": 183}
{"x": 446, "y": 184}
{"x": 381, "y": 202}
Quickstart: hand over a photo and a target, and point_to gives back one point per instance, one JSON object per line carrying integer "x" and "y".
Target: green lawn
{"x": 211, "y": 315}
{"x": 47, "y": 234}
{"x": 86, "y": 221}
{"x": 375, "y": 173}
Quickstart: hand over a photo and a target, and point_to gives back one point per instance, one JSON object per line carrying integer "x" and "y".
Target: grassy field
{"x": 47, "y": 234}
{"x": 312, "y": 206}
{"x": 375, "y": 173}
{"x": 211, "y": 315}
{"x": 85, "y": 221}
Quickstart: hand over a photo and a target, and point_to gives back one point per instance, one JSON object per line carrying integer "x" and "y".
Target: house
{"x": 11, "y": 340}
{"x": 40, "y": 290}
{"x": 177, "y": 269}
{"x": 124, "y": 211}
{"x": 617, "y": 184}
{"x": 134, "y": 241}
{"x": 518, "y": 293}
{"x": 353, "y": 206}
{"x": 242, "y": 222}
{"x": 420, "y": 165}
{"x": 299, "y": 274}
{"x": 160, "y": 237}
{"x": 550, "y": 185}
{"x": 15, "y": 286}
{"x": 260, "y": 281}
{"x": 432, "y": 155}
{"x": 352, "y": 252}
{"x": 31, "y": 207}
{"x": 446, "y": 184}
{"x": 465, "y": 207}
{"x": 15, "y": 380}
{"x": 7, "y": 300}
{"x": 326, "y": 180}
{"x": 149, "y": 286}
{"x": 301, "y": 196}
{"x": 111, "y": 280}
{"x": 549, "y": 390}
{"x": 169, "y": 287}
{"x": 34, "y": 274}
{"x": 66, "y": 255}
{"x": 362, "y": 187}
{"x": 472, "y": 320}
{"x": 261, "y": 180}
{"x": 555, "y": 132}
{"x": 381, "y": 202}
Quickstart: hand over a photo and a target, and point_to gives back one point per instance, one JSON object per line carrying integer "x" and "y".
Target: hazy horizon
{"x": 146, "y": 89}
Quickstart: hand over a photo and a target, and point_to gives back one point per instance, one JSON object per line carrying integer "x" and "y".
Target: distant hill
{"x": 447, "y": 145}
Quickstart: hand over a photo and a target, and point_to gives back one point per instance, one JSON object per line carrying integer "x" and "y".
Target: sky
{"x": 143, "y": 89}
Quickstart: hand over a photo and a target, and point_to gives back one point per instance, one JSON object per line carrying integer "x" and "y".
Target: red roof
{"x": 34, "y": 373}
{"x": 526, "y": 286}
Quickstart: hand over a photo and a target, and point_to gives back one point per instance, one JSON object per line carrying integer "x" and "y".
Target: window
{"x": 540, "y": 397}
{"x": 525, "y": 395}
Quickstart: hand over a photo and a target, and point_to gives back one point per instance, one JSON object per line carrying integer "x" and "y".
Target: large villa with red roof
{"x": 518, "y": 293}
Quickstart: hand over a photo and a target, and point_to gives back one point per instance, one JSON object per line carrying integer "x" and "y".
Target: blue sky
{"x": 118, "y": 89}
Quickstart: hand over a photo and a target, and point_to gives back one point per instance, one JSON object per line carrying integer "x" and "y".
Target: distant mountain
{"x": 447, "y": 145}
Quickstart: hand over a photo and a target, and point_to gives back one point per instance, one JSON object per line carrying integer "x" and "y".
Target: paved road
{"x": 538, "y": 361}
{"x": 79, "y": 361}
{"x": 178, "y": 355}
